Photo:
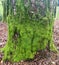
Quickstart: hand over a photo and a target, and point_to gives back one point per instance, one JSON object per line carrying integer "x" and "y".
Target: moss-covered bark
{"x": 29, "y": 32}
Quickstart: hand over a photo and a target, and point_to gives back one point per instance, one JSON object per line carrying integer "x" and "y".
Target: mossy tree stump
{"x": 29, "y": 27}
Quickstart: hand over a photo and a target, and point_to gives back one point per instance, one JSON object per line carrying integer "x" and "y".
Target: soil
{"x": 56, "y": 33}
{"x": 3, "y": 34}
{"x": 41, "y": 58}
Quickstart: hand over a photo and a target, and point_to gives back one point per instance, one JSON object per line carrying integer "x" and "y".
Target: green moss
{"x": 26, "y": 38}
{"x": 27, "y": 33}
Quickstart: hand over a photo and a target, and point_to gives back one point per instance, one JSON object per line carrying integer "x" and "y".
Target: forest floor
{"x": 56, "y": 33}
{"x": 41, "y": 58}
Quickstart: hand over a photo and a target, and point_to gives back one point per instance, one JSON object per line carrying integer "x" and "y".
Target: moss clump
{"x": 28, "y": 33}
{"x": 26, "y": 37}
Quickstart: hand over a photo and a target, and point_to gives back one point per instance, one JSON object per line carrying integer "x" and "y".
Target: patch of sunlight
{"x": 57, "y": 12}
